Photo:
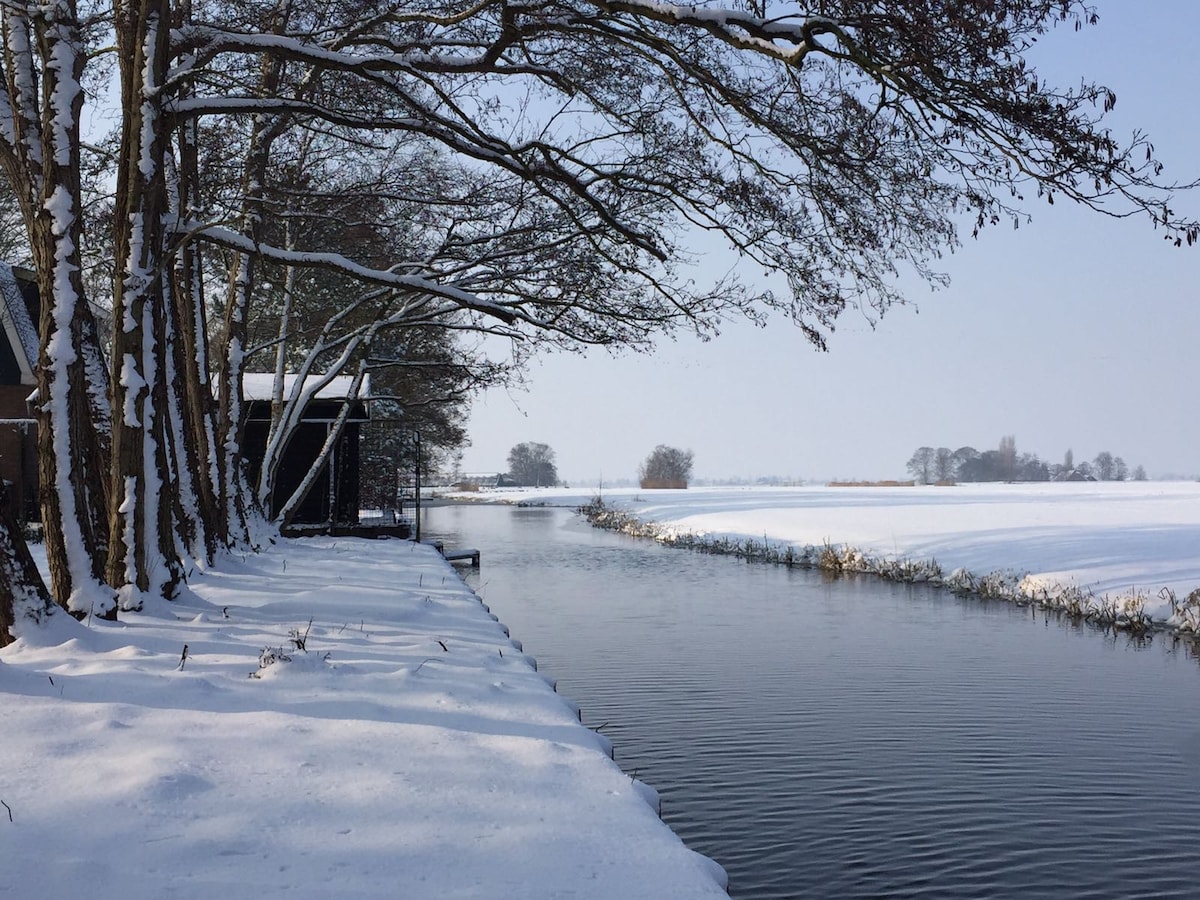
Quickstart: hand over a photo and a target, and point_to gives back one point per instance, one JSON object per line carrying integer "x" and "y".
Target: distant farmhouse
{"x": 19, "y": 312}
{"x": 473, "y": 481}
{"x": 1073, "y": 475}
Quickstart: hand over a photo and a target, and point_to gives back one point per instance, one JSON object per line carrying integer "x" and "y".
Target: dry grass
{"x": 1122, "y": 612}
{"x": 871, "y": 484}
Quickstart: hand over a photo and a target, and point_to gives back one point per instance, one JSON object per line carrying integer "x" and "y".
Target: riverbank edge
{"x": 1121, "y": 612}
{"x": 42, "y": 637}
{"x": 645, "y": 790}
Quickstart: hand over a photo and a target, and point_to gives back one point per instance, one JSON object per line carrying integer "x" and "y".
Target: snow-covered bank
{"x": 410, "y": 751}
{"x": 1112, "y": 545}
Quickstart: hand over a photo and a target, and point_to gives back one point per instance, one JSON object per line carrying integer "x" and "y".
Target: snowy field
{"x": 1115, "y": 538}
{"x": 412, "y": 752}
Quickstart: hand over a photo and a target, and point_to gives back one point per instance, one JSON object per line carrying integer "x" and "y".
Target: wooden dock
{"x": 455, "y": 556}
{"x": 468, "y": 556}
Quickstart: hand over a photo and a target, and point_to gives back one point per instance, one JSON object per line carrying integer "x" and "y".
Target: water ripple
{"x": 860, "y": 739}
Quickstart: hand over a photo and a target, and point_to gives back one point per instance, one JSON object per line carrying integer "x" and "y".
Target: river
{"x": 855, "y": 738}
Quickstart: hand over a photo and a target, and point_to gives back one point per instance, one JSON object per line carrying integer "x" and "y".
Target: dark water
{"x": 855, "y": 738}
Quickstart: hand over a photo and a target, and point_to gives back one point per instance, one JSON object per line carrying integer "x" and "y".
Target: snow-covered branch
{"x": 339, "y": 262}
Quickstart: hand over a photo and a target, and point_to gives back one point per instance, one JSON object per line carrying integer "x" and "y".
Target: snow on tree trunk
{"x": 39, "y": 140}
{"x": 142, "y": 554}
{"x": 195, "y": 395}
{"x": 266, "y": 474}
{"x": 188, "y": 432}
{"x": 234, "y": 491}
{"x": 200, "y": 404}
{"x": 229, "y": 421}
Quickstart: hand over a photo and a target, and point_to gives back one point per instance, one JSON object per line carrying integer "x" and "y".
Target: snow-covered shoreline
{"x": 409, "y": 750}
{"x": 1122, "y": 553}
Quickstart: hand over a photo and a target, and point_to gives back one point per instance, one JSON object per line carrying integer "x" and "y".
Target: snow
{"x": 413, "y": 751}
{"x": 147, "y": 162}
{"x": 258, "y": 386}
{"x": 134, "y": 384}
{"x": 21, "y": 73}
{"x": 62, "y": 59}
{"x": 1114, "y": 538}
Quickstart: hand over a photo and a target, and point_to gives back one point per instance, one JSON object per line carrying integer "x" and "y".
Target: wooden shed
{"x": 332, "y": 500}
{"x": 20, "y": 309}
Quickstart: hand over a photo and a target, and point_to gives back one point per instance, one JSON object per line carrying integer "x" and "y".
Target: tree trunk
{"x": 72, "y": 391}
{"x": 190, "y": 423}
{"x": 23, "y": 594}
{"x": 234, "y": 493}
{"x": 143, "y": 556}
{"x": 193, "y": 385}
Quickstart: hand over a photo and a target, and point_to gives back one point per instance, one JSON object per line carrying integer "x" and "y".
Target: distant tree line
{"x": 930, "y": 465}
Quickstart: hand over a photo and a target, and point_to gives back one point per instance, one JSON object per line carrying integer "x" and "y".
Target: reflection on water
{"x": 859, "y": 738}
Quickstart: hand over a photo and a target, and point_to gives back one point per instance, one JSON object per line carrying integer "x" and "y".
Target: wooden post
{"x": 331, "y": 468}
{"x": 417, "y": 483}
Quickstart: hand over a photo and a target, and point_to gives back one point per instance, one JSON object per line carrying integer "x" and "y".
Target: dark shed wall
{"x": 302, "y": 451}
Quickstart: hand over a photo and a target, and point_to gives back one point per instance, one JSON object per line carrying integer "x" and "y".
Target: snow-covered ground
{"x": 413, "y": 751}
{"x": 1117, "y": 538}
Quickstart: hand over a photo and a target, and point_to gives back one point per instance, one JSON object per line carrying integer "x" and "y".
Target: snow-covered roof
{"x": 20, "y": 329}
{"x": 258, "y": 386}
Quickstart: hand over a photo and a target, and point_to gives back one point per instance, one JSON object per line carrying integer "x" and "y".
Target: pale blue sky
{"x": 1075, "y": 331}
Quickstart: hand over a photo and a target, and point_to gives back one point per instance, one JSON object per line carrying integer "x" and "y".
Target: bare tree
{"x": 1104, "y": 465}
{"x": 921, "y": 465}
{"x": 1007, "y": 461}
{"x": 531, "y": 464}
{"x": 944, "y": 467}
{"x": 666, "y": 467}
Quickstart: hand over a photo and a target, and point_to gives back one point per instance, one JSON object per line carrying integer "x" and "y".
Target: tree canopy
{"x": 531, "y": 464}
{"x": 666, "y": 467}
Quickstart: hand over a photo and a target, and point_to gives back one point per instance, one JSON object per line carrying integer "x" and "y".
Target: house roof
{"x": 17, "y": 322}
{"x": 258, "y": 386}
